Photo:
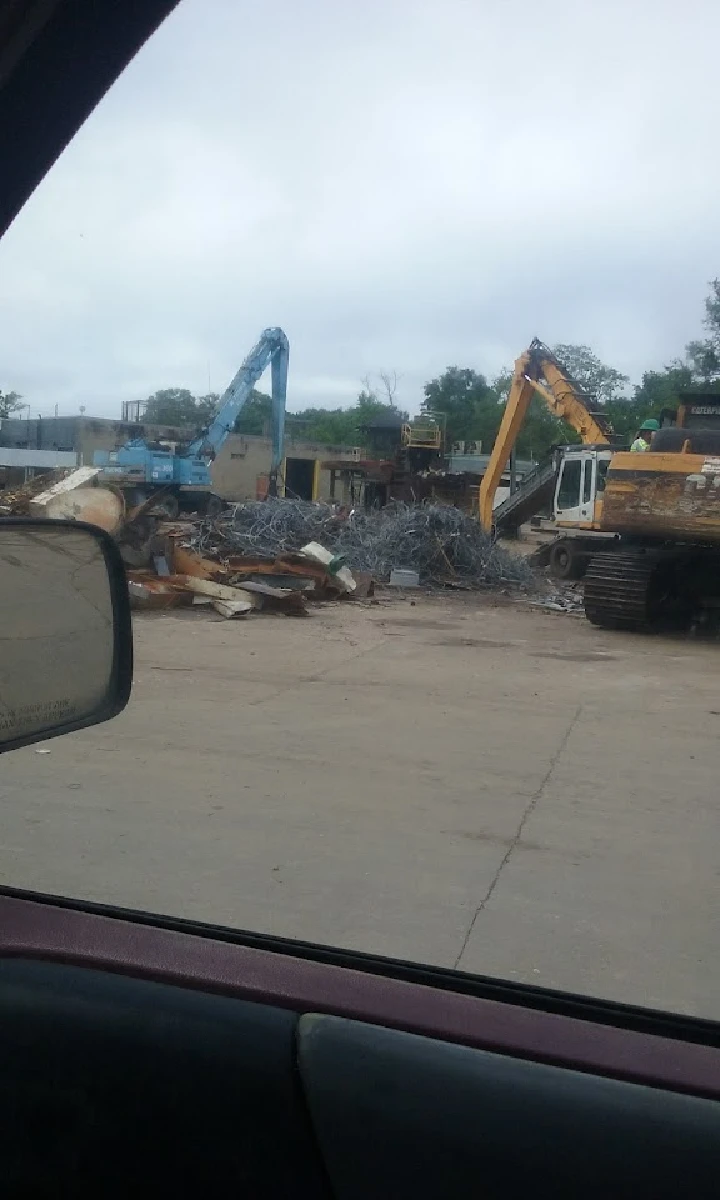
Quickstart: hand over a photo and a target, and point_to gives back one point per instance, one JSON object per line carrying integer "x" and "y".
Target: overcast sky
{"x": 400, "y": 184}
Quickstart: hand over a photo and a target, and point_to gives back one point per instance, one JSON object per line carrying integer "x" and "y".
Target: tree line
{"x": 331, "y": 426}
{"x": 472, "y": 403}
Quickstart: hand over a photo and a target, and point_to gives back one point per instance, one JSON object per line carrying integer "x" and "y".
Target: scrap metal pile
{"x": 441, "y": 543}
{"x": 189, "y": 569}
{"x": 275, "y": 555}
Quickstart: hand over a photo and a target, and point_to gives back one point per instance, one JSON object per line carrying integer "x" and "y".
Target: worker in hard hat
{"x": 643, "y": 437}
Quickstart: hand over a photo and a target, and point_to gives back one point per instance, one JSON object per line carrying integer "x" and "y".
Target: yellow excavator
{"x": 644, "y": 528}
{"x": 570, "y": 481}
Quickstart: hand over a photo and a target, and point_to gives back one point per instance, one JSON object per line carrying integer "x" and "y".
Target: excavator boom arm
{"x": 518, "y": 402}
{"x": 271, "y": 348}
{"x": 563, "y": 397}
{"x": 566, "y": 400}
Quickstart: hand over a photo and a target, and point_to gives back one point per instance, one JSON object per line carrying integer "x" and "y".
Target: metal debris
{"x": 404, "y": 579}
{"x": 148, "y": 592}
{"x": 567, "y": 599}
{"x": 16, "y": 501}
{"x": 441, "y": 543}
{"x": 269, "y": 528}
{"x": 172, "y": 591}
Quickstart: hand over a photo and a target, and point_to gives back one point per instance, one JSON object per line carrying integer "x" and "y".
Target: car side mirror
{"x": 65, "y": 630}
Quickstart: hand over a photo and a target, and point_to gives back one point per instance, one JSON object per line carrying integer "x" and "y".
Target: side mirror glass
{"x": 65, "y": 630}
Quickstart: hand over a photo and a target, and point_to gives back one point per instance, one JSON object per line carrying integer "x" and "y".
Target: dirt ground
{"x": 464, "y": 780}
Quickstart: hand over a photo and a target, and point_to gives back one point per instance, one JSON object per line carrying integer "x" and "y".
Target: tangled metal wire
{"x": 436, "y": 540}
{"x": 271, "y": 527}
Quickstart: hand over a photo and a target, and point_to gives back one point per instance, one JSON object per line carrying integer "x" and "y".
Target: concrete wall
{"x": 42, "y": 460}
{"x": 85, "y": 435}
{"x": 244, "y": 462}
{"x": 57, "y": 433}
{"x": 298, "y": 448}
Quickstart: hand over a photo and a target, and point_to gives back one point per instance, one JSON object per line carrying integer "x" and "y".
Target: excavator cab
{"x": 580, "y": 485}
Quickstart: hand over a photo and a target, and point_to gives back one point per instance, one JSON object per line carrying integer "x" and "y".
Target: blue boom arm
{"x": 271, "y": 348}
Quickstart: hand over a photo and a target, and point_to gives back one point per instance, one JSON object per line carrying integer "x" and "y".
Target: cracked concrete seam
{"x": 532, "y": 805}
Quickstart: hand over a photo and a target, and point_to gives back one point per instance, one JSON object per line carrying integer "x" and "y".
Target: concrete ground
{"x": 464, "y": 781}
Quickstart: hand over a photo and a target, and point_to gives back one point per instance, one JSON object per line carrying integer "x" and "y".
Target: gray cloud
{"x": 401, "y": 185}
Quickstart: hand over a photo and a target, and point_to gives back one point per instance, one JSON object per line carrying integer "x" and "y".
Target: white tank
{"x": 96, "y": 505}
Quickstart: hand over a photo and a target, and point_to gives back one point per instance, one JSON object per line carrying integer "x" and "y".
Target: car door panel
{"x": 400, "y": 1115}
{"x": 584, "y": 1034}
{"x": 138, "y": 1051}
{"x": 109, "y": 1085}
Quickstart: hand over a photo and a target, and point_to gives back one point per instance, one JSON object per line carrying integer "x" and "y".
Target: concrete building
{"x": 240, "y": 471}
{"x": 84, "y": 435}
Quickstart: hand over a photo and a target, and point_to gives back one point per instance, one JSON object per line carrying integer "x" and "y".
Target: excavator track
{"x": 619, "y": 589}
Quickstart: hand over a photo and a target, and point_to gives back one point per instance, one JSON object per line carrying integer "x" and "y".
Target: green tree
{"x": 369, "y": 405}
{"x": 331, "y": 426}
{"x": 172, "y": 406}
{"x": 340, "y": 426}
{"x": 207, "y": 407}
{"x": 469, "y": 402}
{"x": 10, "y": 402}
{"x": 178, "y": 406}
{"x": 602, "y": 383}
{"x": 255, "y": 416}
{"x": 703, "y": 356}
{"x": 699, "y": 371}
{"x": 657, "y": 390}
{"x": 542, "y": 430}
